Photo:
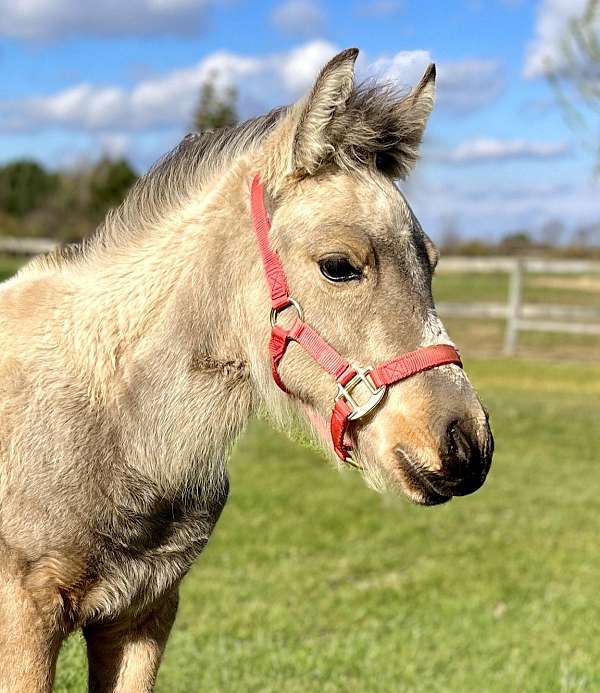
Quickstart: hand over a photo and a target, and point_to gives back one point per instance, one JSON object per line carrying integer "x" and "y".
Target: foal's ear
{"x": 327, "y": 99}
{"x": 413, "y": 112}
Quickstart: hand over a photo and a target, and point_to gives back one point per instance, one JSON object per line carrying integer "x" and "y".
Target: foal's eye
{"x": 338, "y": 268}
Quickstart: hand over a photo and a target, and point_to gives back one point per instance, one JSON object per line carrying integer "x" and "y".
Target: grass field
{"x": 313, "y": 583}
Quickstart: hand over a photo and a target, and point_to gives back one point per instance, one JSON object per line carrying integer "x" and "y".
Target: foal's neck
{"x": 165, "y": 340}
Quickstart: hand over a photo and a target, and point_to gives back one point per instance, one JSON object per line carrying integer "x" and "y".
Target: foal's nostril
{"x": 457, "y": 457}
{"x": 467, "y": 450}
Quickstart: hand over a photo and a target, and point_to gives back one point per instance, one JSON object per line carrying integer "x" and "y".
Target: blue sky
{"x": 80, "y": 80}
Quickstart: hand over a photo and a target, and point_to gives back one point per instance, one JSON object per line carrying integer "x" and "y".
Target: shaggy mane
{"x": 374, "y": 131}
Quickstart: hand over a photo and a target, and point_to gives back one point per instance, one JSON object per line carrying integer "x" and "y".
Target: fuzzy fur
{"x": 130, "y": 364}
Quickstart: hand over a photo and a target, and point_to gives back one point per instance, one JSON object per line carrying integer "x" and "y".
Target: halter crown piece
{"x": 346, "y": 408}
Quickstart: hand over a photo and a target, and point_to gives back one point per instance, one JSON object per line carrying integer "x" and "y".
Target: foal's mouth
{"x": 419, "y": 485}
{"x": 432, "y": 488}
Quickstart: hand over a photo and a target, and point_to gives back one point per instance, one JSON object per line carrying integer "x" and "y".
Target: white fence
{"x": 25, "y": 246}
{"x": 521, "y": 316}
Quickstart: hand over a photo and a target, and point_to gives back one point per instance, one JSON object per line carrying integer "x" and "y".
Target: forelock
{"x": 375, "y": 131}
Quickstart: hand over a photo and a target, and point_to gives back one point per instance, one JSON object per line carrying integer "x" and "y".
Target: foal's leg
{"x": 123, "y": 656}
{"x": 29, "y": 640}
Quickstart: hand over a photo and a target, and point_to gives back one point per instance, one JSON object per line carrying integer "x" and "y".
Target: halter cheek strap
{"x": 376, "y": 380}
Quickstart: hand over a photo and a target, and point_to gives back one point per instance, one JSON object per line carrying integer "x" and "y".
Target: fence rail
{"x": 488, "y": 265}
{"x": 521, "y": 316}
{"x": 25, "y": 246}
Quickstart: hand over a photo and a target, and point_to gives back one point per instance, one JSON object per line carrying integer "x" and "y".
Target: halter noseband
{"x": 347, "y": 377}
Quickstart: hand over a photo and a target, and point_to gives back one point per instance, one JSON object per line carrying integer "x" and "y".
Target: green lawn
{"x": 579, "y": 290}
{"x": 314, "y": 583}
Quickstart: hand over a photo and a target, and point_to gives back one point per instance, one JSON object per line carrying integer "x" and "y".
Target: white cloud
{"x": 465, "y": 86}
{"x": 168, "y": 100}
{"x": 301, "y": 65}
{"x": 544, "y": 54}
{"x": 299, "y": 18}
{"x": 55, "y": 19}
{"x": 262, "y": 82}
{"x": 497, "y": 207}
{"x": 378, "y": 8}
{"x": 404, "y": 68}
{"x": 489, "y": 149}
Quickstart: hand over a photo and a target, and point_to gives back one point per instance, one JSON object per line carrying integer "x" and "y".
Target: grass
{"x": 581, "y": 290}
{"x": 313, "y": 583}
{"x": 8, "y": 266}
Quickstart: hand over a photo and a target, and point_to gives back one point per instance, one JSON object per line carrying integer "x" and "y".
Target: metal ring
{"x": 292, "y": 304}
{"x": 351, "y": 461}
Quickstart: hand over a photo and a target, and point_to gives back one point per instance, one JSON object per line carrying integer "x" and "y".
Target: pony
{"x": 130, "y": 364}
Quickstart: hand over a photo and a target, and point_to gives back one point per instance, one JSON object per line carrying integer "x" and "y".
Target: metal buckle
{"x": 292, "y": 304}
{"x": 345, "y": 393}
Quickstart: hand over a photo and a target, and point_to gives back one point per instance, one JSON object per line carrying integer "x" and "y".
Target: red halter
{"x": 347, "y": 377}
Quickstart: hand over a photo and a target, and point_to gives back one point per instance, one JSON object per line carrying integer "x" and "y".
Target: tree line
{"x": 63, "y": 205}
{"x": 68, "y": 205}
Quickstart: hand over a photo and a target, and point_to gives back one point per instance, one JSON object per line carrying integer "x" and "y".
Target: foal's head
{"x": 360, "y": 265}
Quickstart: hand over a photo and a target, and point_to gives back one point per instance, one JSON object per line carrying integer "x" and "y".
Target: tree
{"x": 586, "y": 235}
{"x": 109, "y": 182}
{"x": 516, "y": 243}
{"x": 25, "y": 186}
{"x": 215, "y": 109}
{"x": 577, "y": 82}
{"x": 552, "y": 232}
{"x": 65, "y": 205}
{"x": 450, "y": 238}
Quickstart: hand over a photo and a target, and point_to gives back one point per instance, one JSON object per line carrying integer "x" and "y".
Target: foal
{"x": 128, "y": 367}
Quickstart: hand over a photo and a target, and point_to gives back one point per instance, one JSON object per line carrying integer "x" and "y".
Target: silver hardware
{"x": 292, "y": 304}
{"x": 351, "y": 461}
{"x": 345, "y": 393}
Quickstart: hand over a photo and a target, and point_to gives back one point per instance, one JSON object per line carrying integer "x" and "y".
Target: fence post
{"x": 515, "y": 295}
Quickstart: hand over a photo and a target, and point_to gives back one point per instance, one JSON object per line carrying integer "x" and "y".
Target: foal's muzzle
{"x": 465, "y": 455}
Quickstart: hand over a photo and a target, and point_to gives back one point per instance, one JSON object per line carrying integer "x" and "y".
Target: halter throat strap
{"x": 346, "y": 406}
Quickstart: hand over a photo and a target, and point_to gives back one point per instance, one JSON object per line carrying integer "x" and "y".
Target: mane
{"x": 182, "y": 173}
{"x": 171, "y": 182}
{"x": 373, "y": 131}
